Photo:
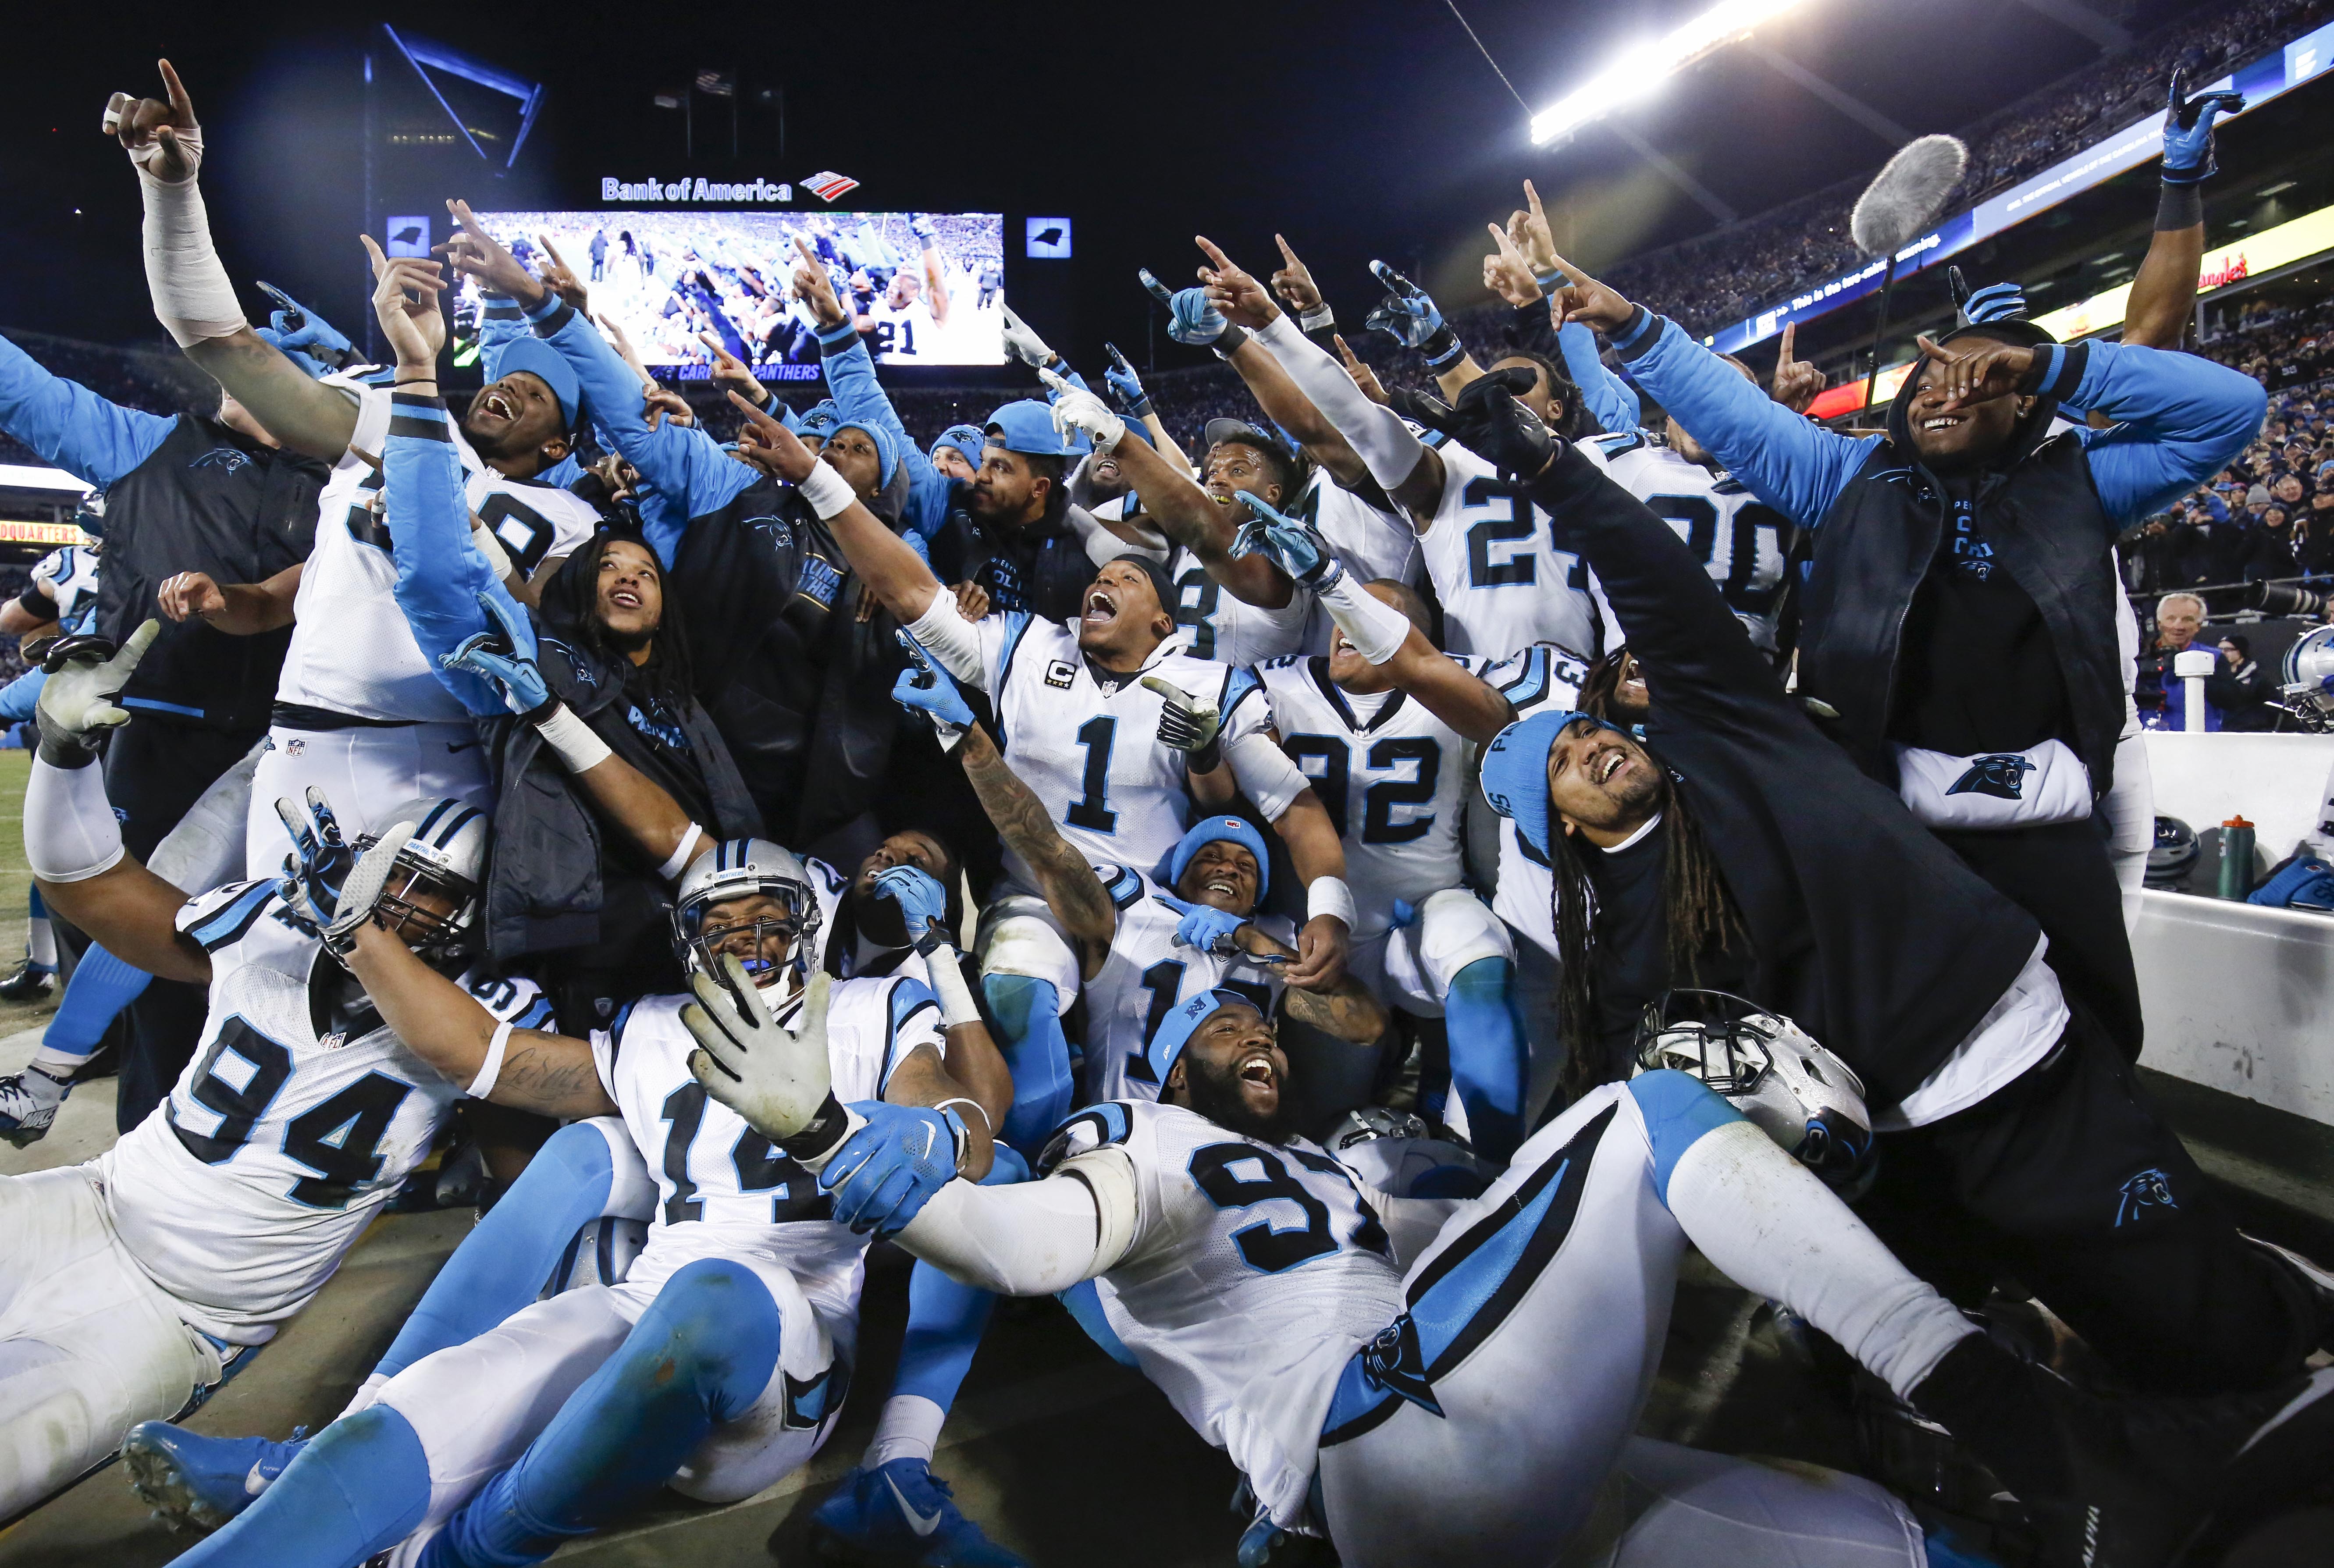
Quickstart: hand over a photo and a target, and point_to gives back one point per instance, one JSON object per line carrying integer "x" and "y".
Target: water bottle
{"x": 2236, "y": 857}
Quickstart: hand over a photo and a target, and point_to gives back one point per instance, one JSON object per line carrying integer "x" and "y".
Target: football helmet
{"x": 738, "y": 869}
{"x": 2308, "y": 692}
{"x": 1767, "y": 1067}
{"x": 446, "y": 857}
{"x": 2173, "y": 853}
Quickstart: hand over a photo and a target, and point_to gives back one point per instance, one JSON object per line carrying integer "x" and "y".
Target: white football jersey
{"x": 1535, "y": 678}
{"x": 1740, "y": 539}
{"x": 1218, "y": 624}
{"x": 903, "y": 335}
{"x": 71, "y": 576}
{"x": 1372, "y": 540}
{"x": 1147, "y": 973}
{"x": 1088, "y": 741}
{"x": 288, "y": 1130}
{"x": 1390, "y": 774}
{"x": 1255, "y": 1273}
{"x": 720, "y": 1184}
{"x": 1503, "y": 584}
{"x": 352, "y": 650}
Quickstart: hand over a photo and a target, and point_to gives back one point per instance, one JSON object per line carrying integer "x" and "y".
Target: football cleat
{"x": 189, "y": 1478}
{"x": 29, "y": 982}
{"x": 28, "y": 1105}
{"x": 900, "y": 1513}
{"x": 2134, "y": 1483}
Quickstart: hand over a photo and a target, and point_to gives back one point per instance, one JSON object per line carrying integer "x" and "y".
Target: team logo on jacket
{"x": 2151, "y": 1189}
{"x": 224, "y": 458}
{"x": 2001, "y": 774}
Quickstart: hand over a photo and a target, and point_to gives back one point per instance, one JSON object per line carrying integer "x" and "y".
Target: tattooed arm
{"x": 444, "y": 1026}
{"x": 1072, "y": 891}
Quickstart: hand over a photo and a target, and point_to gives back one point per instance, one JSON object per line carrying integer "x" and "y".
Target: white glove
{"x": 360, "y": 893}
{"x": 77, "y": 701}
{"x": 1077, "y": 411}
{"x": 776, "y": 1081}
{"x": 1023, "y": 345}
{"x": 1188, "y": 721}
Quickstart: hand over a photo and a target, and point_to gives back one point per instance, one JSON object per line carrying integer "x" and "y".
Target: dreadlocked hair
{"x": 668, "y": 675}
{"x": 1696, "y": 916}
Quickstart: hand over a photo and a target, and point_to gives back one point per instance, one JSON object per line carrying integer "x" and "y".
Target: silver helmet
{"x": 446, "y": 857}
{"x": 738, "y": 869}
{"x": 1767, "y": 1067}
{"x": 2308, "y": 692}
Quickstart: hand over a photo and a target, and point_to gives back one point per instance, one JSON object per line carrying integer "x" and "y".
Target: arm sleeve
{"x": 1377, "y": 434}
{"x": 1797, "y": 468}
{"x": 1030, "y": 1238}
{"x": 943, "y": 632}
{"x": 684, "y": 466}
{"x": 93, "y": 439}
{"x": 2179, "y": 420}
{"x": 439, "y": 571}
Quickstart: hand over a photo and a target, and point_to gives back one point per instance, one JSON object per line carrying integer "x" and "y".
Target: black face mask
{"x": 1216, "y": 1095}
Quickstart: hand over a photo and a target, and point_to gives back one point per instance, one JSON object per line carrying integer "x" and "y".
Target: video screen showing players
{"x": 927, "y": 288}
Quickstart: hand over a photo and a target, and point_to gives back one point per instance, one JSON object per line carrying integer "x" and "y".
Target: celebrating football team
{"x": 1345, "y": 910}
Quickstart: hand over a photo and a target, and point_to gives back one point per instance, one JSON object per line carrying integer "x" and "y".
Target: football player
{"x": 494, "y": 1450}
{"x": 1503, "y": 583}
{"x": 358, "y": 708}
{"x": 135, "y": 1279}
{"x": 1438, "y": 1382}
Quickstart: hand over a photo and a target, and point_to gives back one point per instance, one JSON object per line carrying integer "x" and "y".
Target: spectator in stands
{"x": 2161, "y": 695}
{"x": 2268, "y": 551}
{"x": 2313, "y": 534}
{"x": 2241, "y": 687}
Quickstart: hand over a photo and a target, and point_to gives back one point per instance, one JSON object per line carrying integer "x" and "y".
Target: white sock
{"x": 1772, "y": 1228}
{"x": 40, "y": 946}
{"x": 57, "y": 1065}
{"x": 909, "y": 1428}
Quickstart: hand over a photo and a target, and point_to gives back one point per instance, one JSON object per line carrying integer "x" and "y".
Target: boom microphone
{"x": 1903, "y": 199}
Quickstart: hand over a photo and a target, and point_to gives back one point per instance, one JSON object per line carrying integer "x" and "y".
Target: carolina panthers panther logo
{"x": 671, "y": 736}
{"x": 226, "y": 458}
{"x": 2001, "y": 774}
{"x": 2151, "y": 1189}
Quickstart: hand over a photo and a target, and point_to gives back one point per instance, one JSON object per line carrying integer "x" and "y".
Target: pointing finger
{"x": 1789, "y": 334}
{"x": 1286, "y": 255}
{"x": 1223, "y": 262}
{"x": 179, "y": 103}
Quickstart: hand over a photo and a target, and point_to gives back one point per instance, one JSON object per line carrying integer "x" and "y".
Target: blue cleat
{"x": 187, "y": 1478}
{"x": 900, "y": 1514}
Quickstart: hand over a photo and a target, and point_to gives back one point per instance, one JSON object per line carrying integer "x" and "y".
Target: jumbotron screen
{"x": 667, "y": 280}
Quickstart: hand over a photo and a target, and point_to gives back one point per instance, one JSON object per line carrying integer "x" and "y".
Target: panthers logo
{"x": 2002, "y": 775}
{"x": 2151, "y": 1189}
{"x": 226, "y": 458}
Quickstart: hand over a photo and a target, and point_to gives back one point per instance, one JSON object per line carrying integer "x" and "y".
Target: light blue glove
{"x": 929, "y": 689}
{"x": 923, "y": 904}
{"x": 1126, "y": 393}
{"x": 2188, "y": 131}
{"x": 884, "y": 1173}
{"x": 313, "y": 333}
{"x": 319, "y": 865}
{"x": 1204, "y": 926}
{"x": 505, "y": 656}
{"x": 1411, "y": 317}
{"x": 1191, "y": 319}
{"x": 1288, "y": 543}
{"x": 1996, "y": 303}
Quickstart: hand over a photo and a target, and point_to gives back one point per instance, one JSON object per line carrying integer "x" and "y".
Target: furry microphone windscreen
{"x": 1906, "y": 196}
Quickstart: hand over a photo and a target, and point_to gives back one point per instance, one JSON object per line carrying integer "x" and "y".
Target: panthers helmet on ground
{"x": 2173, "y": 855}
{"x": 737, "y": 868}
{"x": 1767, "y": 1067}
{"x": 446, "y": 857}
{"x": 2308, "y": 692}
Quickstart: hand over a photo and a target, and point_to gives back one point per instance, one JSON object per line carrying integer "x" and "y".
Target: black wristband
{"x": 1207, "y": 758}
{"x": 824, "y": 1130}
{"x": 37, "y": 604}
{"x": 1229, "y": 342}
{"x": 2180, "y": 207}
{"x": 62, "y": 751}
{"x": 1443, "y": 350}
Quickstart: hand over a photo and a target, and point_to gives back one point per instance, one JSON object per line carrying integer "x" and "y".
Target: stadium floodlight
{"x": 1641, "y": 69}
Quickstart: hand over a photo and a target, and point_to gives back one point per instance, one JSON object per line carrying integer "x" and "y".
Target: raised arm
{"x": 2179, "y": 420}
{"x": 446, "y": 1027}
{"x": 936, "y": 290}
{"x": 2156, "y": 315}
{"x": 900, "y": 580}
{"x": 95, "y": 440}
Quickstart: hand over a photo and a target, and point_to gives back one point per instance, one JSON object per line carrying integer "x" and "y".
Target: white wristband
{"x": 70, "y": 833}
{"x": 957, "y": 1006}
{"x": 827, "y": 491}
{"x": 483, "y": 1083}
{"x": 1330, "y": 895}
{"x": 498, "y": 558}
{"x": 1376, "y": 630}
{"x": 192, "y": 297}
{"x": 1319, "y": 319}
{"x": 566, "y": 733}
{"x": 682, "y": 854}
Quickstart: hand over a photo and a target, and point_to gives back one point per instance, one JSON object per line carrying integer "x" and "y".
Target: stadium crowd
{"x": 1341, "y": 883}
